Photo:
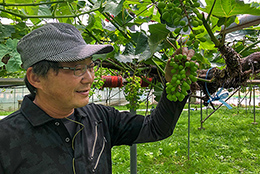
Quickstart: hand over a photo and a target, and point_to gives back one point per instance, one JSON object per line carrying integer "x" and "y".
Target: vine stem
{"x": 213, "y": 38}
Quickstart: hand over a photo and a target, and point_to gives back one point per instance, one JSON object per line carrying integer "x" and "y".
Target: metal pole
{"x": 189, "y": 128}
{"x": 254, "y": 104}
{"x": 201, "y": 112}
{"x": 133, "y": 153}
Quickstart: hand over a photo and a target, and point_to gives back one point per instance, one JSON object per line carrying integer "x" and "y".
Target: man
{"x": 56, "y": 130}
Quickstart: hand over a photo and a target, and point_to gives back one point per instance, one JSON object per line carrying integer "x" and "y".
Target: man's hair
{"x": 41, "y": 69}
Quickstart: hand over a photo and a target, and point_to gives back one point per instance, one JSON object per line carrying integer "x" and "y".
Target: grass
{"x": 229, "y": 144}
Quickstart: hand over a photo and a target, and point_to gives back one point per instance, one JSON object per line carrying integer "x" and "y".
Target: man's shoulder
{"x": 10, "y": 118}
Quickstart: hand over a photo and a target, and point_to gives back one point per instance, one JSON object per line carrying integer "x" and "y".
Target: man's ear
{"x": 33, "y": 78}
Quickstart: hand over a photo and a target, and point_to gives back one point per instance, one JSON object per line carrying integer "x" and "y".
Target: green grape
{"x": 174, "y": 98}
{"x": 178, "y": 10}
{"x": 178, "y": 82}
{"x": 196, "y": 44}
{"x": 187, "y": 64}
{"x": 174, "y": 79}
{"x": 166, "y": 15}
{"x": 189, "y": 42}
{"x": 177, "y": 30}
{"x": 183, "y": 71}
{"x": 202, "y": 30}
{"x": 192, "y": 63}
{"x": 185, "y": 28}
{"x": 192, "y": 36}
{"x": 199, "y": 15}
{"x": 173, "y": 89}
{"x": 161, "y": 5}
{"x": 179, "y": 77}
{"x": 169, "y": 97}
{"x": 188, "y": 81}
{"x": 181, "y": 97}
{"x": 176, "y": 66}
{"x": 181, "y": 67}
{"x": 195, "y": 23}
{"x": 182, "y": 23}
{"x": 196, "y": 4}
{"x": 173, "y": 71}
{"x": 169, "y": 5}
{"x": 183, "y": 76}
{"x": 194, "y": 68}
{"x": 185, "y": 85}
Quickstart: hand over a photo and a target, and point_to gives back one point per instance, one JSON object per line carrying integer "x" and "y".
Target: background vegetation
{"x": 229, "y": 144}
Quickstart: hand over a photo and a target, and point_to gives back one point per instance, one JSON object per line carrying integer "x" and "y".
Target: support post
{"x": 201, "y": 113}
{"x": 254, "y": 105}
{"x": 133, "y": 153}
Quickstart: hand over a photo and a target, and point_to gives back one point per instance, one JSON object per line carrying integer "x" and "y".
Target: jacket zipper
{"x": 95, "y": 141}
{"x": 103, "y": 147}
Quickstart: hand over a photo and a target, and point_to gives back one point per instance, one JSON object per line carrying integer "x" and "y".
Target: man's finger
{"x": 185, "y": 51}
{"x": 190, "y": 53}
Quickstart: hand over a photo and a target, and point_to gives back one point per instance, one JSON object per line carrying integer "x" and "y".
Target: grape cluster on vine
{"x": 184, "y": 73}
{"x": 133, "y": 91}
{"x": 183, "y": 15}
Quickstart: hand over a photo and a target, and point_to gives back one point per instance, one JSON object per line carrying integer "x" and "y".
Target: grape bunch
{"x": 184, "y": 73}
{"x": 182, "y": 16}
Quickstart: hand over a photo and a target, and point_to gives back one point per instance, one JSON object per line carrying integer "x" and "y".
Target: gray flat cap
{"x": 59, "y": 42}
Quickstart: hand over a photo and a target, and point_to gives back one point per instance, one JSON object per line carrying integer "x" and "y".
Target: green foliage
{"x": 228, "y": 8}
{"x": 143, "y": 32}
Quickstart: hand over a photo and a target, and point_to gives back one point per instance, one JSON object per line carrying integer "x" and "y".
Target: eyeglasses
{"x": 80, "y": 70}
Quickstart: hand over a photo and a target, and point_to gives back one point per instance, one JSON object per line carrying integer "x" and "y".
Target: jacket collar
{"x": 36, "y": 116}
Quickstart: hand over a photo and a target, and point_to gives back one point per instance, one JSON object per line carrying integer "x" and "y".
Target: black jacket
{"x": 32, "y": 142}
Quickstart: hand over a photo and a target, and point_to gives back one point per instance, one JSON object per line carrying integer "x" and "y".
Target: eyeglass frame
{"x": 86, "y": 67}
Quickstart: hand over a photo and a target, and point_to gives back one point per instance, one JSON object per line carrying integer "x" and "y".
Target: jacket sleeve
{"x": 162, "y": 121}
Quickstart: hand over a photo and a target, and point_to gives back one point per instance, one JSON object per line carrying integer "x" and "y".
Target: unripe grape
{"x": 196, "y": 44}
{"x": 188, "y": 81}
{"x": 199, "y": 15}
{"x": 182, "y": 23}
{"x": 174, "y": 79}
{"x": 177, "y": 30}
{"x": 176, "y": 66}
{"x": 181, "y": 67}
{"x": 182, "y": 71}
{"x": 173, "y": 71}
{"x": 161, "y": 5}
{"x": 196, "y": 4}
{"x": 169, "y": 5}
{"x": 195, "y": 23}
{"x": 166, "y": 15}
{"x": 185, "y": 28}
{"x": 178, "y": 10}
{"x": 187, "y": 64}
{"x": 192, "y": 36}
{"x": 189, "y": 42}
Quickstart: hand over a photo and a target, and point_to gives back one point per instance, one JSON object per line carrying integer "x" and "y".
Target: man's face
{"x": 65, "y": 90}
